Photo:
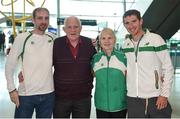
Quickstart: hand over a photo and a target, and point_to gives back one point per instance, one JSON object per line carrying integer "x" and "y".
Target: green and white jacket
{"x": 110, "y": 90}
{"x": 146, "y": 65}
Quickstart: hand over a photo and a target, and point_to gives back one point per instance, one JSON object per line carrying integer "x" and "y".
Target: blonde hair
{"x": 108, "y": 31}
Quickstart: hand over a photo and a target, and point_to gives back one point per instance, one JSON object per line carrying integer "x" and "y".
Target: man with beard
{"x": 34, "y": 50}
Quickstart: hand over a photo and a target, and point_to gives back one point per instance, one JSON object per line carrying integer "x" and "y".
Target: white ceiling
{"x": 109, "y": 11}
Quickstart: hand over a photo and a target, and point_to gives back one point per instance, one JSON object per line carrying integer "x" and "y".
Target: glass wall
{"x": 174, "y": 46}
{"x": 106, "y": 13}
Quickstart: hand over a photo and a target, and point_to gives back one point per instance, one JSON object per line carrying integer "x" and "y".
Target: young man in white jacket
{"x": 149, "y": 70}
{"x": 34, "y": 50}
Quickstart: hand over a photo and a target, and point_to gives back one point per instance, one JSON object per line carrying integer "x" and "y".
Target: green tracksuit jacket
{"x": 110, "y": 89}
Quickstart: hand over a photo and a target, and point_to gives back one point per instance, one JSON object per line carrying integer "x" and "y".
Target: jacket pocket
{"x": 156, "y": 79}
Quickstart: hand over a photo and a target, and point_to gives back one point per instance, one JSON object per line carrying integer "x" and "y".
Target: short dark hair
{"x": 132, "y": 12}
{"x": 39, "y": 9}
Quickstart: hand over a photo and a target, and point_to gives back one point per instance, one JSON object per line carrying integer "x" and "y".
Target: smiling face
{"x": 107, "y": 39}
{"x": 41, "y": 20}
{"x": 72, "y": 28}
{"x": 133, "y": 24}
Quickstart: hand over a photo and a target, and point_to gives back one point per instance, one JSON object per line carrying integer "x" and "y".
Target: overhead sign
{"x": 60, "y": 21}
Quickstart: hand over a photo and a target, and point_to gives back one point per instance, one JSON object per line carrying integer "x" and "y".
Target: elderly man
{"x": 73, "y": 79}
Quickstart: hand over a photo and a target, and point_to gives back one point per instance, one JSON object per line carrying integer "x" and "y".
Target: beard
{"x": 42, "y": 27}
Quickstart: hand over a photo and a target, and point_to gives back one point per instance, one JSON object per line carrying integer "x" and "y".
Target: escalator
{"x": 163, "y": 17}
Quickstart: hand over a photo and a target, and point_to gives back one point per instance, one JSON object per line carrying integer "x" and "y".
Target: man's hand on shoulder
{"x": 94, "y": 42}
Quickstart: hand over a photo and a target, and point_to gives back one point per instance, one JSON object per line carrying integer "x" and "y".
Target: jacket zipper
{"x": 136, "y": 54}
{"x": 108, "y": 59}
{"x": 137, "y": 48}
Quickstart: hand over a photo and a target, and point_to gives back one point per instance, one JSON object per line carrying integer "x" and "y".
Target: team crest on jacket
{"x": 102, "y": 64}
{"x": 32, "y": 42}
{"x": 147, "y": 44}
{"x": 50, "y": 41}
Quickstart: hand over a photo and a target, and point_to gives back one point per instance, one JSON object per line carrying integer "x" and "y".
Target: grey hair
{"x": 107, "y": 30}
{"x": 72, "y": 17}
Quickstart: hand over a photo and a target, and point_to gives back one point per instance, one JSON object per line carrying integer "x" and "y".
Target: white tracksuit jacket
{"x": 36, "y": 66}
{"x": 147, "y": 65}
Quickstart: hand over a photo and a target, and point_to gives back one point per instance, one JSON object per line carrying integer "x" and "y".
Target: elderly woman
{"x": 109, "y": 67}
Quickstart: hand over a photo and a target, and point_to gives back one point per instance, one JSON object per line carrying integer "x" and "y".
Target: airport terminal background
{"x": 95, "y": 15}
